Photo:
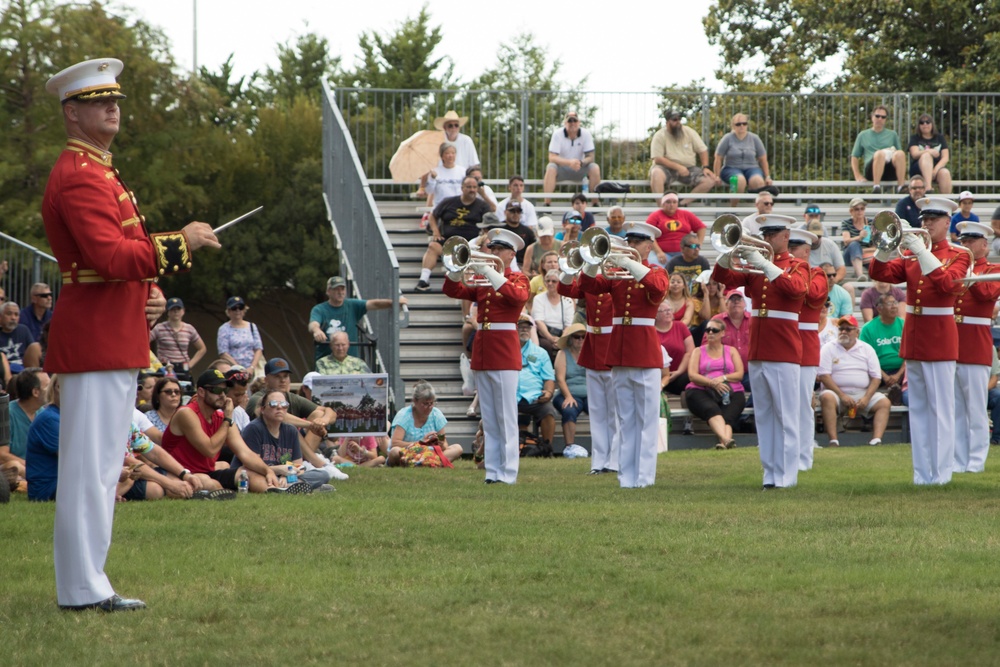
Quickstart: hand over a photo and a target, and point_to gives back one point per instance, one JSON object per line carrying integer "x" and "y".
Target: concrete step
{"x": 447, "y": 353}
{"x": 441, "y": 332}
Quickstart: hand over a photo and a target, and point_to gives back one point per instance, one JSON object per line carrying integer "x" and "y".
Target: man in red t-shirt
{"x": 674, "y": 223}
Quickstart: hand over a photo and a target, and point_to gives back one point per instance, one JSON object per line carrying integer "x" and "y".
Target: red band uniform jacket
{"x": 928, "y": 337}
{"x": 495, "y": 350}
{"x": 975, "y": 341}
{"x": 600, "y": 312}
{"x": 816, "y": 295}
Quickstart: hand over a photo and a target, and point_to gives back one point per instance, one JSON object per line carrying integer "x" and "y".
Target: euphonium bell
{"x": 458, "y": 255}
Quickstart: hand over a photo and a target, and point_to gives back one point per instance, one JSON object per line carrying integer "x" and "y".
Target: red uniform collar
{"x": 96, "y": 154}
{"x": 941, "y": 245}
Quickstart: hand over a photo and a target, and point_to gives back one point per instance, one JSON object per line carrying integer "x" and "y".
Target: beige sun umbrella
{"x": 416, "y": 156}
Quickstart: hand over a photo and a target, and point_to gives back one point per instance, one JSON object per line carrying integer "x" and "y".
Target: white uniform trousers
{"x": 95, "y": 413}
{"x": 605, "y": 435}
{"x": 638, "y": 393}
{"x": 972, "y": 425}
{"x": 498, "y": 404}
{"x": 932, "y": 419}
{"x": 807, "y": 419}
{"x": 776, "y": 399}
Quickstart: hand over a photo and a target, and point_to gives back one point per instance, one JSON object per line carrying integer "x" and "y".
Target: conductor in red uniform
{"x": 108, "y": 263}
{"x": 496, "y": 351}
{"x": 799, "y": 246}
{"x": 974, "y": 317}
{"x": 930, "y": 336}
{"x": 777, "y": 290}
{"x": 634, "y": 352}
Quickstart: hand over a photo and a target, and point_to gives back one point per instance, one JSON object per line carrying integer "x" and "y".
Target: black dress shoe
{"x": 595, "y": 472}
{"x": 609, "y": 470}
{"x": 113, "y": 603}
{"x": 767, "y": 487}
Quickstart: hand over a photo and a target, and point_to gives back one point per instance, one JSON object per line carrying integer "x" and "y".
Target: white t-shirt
{"x": 240, "y": 418}
{"x": 571, "y": 149}
{"x": 447, "y": 183}
{"x": 528, "y": 216}
{"x": 553, "y": 315}
{"x": 140, "y": 420}
{"x": 851, "y": 369}
{"x": 465, "y": 151}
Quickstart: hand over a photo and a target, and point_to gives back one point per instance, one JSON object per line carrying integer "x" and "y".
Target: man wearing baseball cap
{"x": 930, "y": 335}
{"x": 964, "y": 214}
{"x": 571, "y": 156}
{"x": 108, "y": 262}
{"x": 974, "y": 317}
{"x": 634, "y": 352}
{"x": 338, "y": 313}
{"x": 777, "y": 289}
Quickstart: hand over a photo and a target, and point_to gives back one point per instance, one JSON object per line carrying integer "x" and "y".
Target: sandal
{"x": 719, "y": 445}
{"x": 731, "y": 444}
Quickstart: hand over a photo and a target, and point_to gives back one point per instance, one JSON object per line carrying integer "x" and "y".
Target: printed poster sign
{"x": 360, "y": 401}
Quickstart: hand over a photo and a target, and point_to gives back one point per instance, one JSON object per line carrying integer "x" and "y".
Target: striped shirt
{"x": 173, "y": 345}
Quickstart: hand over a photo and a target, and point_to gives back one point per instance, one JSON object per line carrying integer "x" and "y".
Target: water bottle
{"x": 734, "y": 183}
{"x": 586, "y": 186}
{"x": 244, "y": 483}
{"x": 725, "y": 397}
{"x": 292, "y": 477}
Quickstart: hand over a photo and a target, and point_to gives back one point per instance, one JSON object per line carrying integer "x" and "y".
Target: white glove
{"x": 754, "y": 259}
{"x": 592, "y": 270}
{"x": 913, "y": 243}
{"x": 565, "y": 278}
{"x": 928, "y": 262}
{"x": 455, "y": 276}
{"x": 637, "y": 270}
{"x": 883, "y": 255}
{"x": 771, "y": 271}
{"x": 496, "y": 279}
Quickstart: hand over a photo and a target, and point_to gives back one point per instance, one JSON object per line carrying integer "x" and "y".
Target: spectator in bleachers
{"x": 906, "y": 208}
{"x": 679, "y": 298}
{"x": 737, "y": 331}
{"x": 707, "y": 302}
{"x": 16, "y": 341}
{"x": 849, "y": 371}
{"x": 870, "y": 297}
{"x": 825, "y": 250}
{"x": 841, "y": 302}
{"x": 445, "y": 180}
{"x": 579, "y": 204}
{"x": 166, "y": 399}
{"x": 964, "y": 213}
{"x": 885, "y": 334}
{"x": 689, "y": 263}
{"x": 616, "y": 222}
{"x": 144, "y": 392}
{"x": 882, "y": 154}
{"x": 30, "y": 385}
{"x": 571, "y": 379}
{"x": 741, "y": 153}
{"x": 929, "y": 155}
{"x": 549, "y": 262}
{"x": 856, "y": 232}
{"x": 995, "y": 224}
{"x": 39, "y": 312}
{"x": 715, "y": 392}
{"x": 571, "y": 225}
{"x": 571, "y": 156}
{"x": 338, "y": 362}
{"x": 552, "y": 313}
{"x": 535, "y": 382}
{"x": 466, "y": 154}
{"x": 992, "y": 400}
{"x": 483, "y": 191}
{"x": 813, "y": 217}
{"x": 674, "y": 224}
{"x": 676, "y": 150}
{"x": 338, "y": 313}
{"x": 545, "y": 243}
{"x": 455, "y": 216}
{"x": 676, "y": 340}
{"x": 174, "y": 339}
{"x": 827, "y": 325}
{"x": 512, "y": 222}
{"x": 528, "y": 215}
{"x": 239, "y": 341}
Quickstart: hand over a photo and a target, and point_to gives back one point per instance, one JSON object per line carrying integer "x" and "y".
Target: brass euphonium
{"x": 729, "y": 237}
{"x": 570, "y": 261}
{"x": 596, "y": 248}
{"x": 458, "y": 255}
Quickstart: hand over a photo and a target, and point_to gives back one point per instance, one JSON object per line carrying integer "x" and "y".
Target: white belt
{"x": 496, "y": 326}
{"x": 981, "y": 321}
{"x": 929, "y": 310}
{"x": 776, "y": 314}
{"x": 808, "y": 326}
{"x": 634, "y": 321}
{"x": 599, "y": 330}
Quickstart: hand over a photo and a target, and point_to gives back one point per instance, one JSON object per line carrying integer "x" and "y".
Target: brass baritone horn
{"x": 729, "y": 237}
{"x": 458, "y": 255}
{"x": 596, "y": 248}
{"x": 570, "y": 261}
{"x": 888, "y": 231}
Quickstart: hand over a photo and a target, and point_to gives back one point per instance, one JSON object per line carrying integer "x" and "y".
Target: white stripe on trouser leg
{"x": 95, "y": 413}
{"x": 932, "y": 419}
{"x": 776, "y": 414}
{"x": 605, "y": 439}
{"x": 638, "y": 393}
{"x": 972, "y": 428}
{"x": 498, "y": 404}
{"x": 807, "y": 421}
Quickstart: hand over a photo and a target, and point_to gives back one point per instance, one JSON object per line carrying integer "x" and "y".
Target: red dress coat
{"x": 816, "y": 295}
{"x": 494, "y": 350}
{"x": 631, "y": 345}
{"x": 108, "y": 263}
{"x": 927, "y": 337}
{"x": 773, "y": 338}
{"x": 975, "y": 341}
{"x": 600, "y": 311}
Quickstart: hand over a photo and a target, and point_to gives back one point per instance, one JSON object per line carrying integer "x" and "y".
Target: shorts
{"x": 538, "y": 411}
{"x": 915, "y": 167}
{"x": 564, "y": 173}
{"x": 137, "y": 492}
{"x": 888, "y": 173}
{"x": 866, "y": 410}
{"x": 227, "y": 477}
{"x": 468, "y": 231}
{"x": 694, "y": 175}
{"x": 571, "y": 414}
{"x": 746, "y": 173}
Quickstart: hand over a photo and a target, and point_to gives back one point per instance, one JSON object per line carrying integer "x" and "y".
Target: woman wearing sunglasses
{"x": 239, "y": 341}
{"x": 741, "y": 153}
{"x": 929, "y": 155}
{"x": 571, "y": 378}
{"x": 166, "y": 399}
{"x": 714, "y": 392}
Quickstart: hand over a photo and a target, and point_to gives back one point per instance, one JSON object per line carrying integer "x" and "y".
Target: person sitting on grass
{"x": 359, "y": 451}
{"x": 420, "y": 427}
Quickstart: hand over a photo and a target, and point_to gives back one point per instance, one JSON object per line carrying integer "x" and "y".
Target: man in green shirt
{"x": 882, "y": 152}
{"x": 884, "y": 333}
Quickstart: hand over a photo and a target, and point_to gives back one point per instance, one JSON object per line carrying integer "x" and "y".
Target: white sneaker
{"x": 875, "y": 441}
{"x": 335, "y": 472}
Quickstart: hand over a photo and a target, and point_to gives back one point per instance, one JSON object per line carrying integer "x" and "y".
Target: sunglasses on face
{"x": 238, "y": 308}
{"x": 693, "y": 246}
{"x": 218, "y": 391}
{"x": 46, "y": 295}
{"x": 740, "y": 124}
{"x": 926, "y": 122}
{"x": 277, "y": 404}
{"x": 882, "y": 116}
{"x": 713, "y": 330}
{"x": 171, "y": 392}
{"x": 831, "y": 276}
{"x": 451, "y": 125}
{"x": 767, "y": 203}
{"x": 572, "y": 120}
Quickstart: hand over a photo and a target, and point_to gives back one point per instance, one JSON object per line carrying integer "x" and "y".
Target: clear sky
{"x": 628, "y": 45}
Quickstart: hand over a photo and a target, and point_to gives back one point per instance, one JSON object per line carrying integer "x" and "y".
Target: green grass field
{"x": 426, "y": 567}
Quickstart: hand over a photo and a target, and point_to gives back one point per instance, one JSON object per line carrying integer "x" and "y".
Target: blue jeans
{"x": 570, "y": 414}
{"x": 746, "y": 173}
{"x": 852, "y": 252}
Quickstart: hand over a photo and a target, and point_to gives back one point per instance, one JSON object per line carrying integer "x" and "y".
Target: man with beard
{"x": 676, "y": 149}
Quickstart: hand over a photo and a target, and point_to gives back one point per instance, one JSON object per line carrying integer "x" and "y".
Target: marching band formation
{"x": 947, "y": 337}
